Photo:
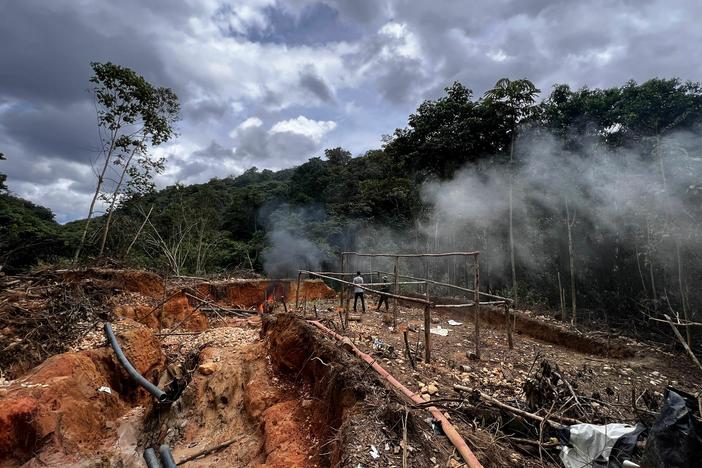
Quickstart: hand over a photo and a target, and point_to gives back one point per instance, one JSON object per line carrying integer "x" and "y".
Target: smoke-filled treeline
{"x": 606, "y": 180}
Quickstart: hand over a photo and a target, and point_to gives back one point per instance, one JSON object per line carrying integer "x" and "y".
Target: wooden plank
{"x": 444, "y": 254}
{"x": 365, "y": 288}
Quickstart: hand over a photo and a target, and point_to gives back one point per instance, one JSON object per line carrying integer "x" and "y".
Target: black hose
{"x": 166, "y": 456}
{"x": 151, "y": 388}
{"x": 151, "y": 459}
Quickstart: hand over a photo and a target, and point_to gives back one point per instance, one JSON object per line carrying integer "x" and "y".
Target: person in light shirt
{"x": 358, "y": 292}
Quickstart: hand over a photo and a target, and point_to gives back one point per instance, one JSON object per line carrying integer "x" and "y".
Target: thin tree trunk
{"x": 511, "y": 218}
{"x": 571, "y": 254}
{"x": 139, "y": 231}
{"x": 91, "y": 210}
{"x": 638, "y": 265}
{"x": 115, "y": 194}
{"x": 561, "y": 297}
{"x": 682, "y": 293}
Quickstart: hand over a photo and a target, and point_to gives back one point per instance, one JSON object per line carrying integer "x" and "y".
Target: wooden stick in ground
{"x": 343, "y": 288}
{"x": 396, "y": 291}
{"x": 207, "y": 451}
{"x": 508, "y": 321}
{"x": 683, "y": 342}
{"x": 409, "y": 351}
{"x": 477, "y": 307}
{"x": 297, "y": 292}
{"x": 427, "y": 334}
{"x": 405, "y": 441}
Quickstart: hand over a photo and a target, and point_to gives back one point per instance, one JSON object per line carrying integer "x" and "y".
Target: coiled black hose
{"x": 151, "y": 388}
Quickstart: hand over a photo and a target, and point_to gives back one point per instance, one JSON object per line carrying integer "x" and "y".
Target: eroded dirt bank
{"x": 279, "y": 393}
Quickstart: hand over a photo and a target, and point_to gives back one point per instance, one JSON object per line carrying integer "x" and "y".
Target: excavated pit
{"x": 286, "y": 397}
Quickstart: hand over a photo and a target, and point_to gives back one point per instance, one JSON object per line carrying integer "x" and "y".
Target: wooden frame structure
{"x": 425, "y": 302}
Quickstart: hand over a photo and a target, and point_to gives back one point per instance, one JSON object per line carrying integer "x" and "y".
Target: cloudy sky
{"x": 271, "y": 83}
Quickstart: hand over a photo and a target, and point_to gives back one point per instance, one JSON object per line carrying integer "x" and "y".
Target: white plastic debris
{"x": 374, "y": 452}
{"x": 105, "y": 390}
{"x": 453, "y": 323}
{"x": 439, "y": 331}
{"x": 590, "y": 445}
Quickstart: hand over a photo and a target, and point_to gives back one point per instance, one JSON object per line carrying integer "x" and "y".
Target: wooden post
{"x": 477, "y": 306}
{"x": 343, "y": 288}
{"x": 396, "y": 290}
{"x": 561, "y": 296}
{"x": 427, "y": 334}
{"x": 408, "y": 350}
{"x": 510, "y": 343}
{"x": 297, "y": 292}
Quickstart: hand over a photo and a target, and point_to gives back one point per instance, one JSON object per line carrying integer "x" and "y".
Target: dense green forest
{"x": 599, "y": 190}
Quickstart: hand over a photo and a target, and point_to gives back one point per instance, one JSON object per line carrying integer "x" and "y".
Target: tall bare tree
{"x": 132, "y": 115}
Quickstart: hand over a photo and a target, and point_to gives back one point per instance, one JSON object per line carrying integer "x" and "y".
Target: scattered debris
{"x": 439, "y": 331}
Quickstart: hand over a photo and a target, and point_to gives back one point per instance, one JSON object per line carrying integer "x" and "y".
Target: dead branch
{"x": 207, "y": 451}
{"x": 682, "y": 341}
{"x": 517, "y": 411}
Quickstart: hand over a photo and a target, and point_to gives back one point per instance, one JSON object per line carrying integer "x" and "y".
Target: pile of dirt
{"x": 251, "y": 293}
{"x": 64, "y": 410}
{"x": 177, "y": 310}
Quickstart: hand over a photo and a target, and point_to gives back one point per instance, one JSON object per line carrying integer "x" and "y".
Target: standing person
{"x": 358, "y": 292}
{"x": 384, "y": 297}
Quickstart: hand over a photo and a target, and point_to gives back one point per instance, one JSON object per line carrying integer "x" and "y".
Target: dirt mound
{"x": 141, "y": 281}
{"x": 251, "y": 293}
{"x": 544, "y": 330}
{"x": 57, "y": 410}
{"x": 177, "y": 310}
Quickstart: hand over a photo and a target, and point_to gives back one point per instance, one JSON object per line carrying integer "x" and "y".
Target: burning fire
{"x": 267, "y": 305}
{"x": 276, "y": 291}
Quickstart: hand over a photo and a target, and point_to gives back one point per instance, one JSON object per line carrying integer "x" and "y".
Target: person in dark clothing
{"x": 358, "y": 292}
{"x": 384, "y": 297}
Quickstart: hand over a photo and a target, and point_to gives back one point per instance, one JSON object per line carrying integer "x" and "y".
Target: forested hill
{"x": 606, "y": 191}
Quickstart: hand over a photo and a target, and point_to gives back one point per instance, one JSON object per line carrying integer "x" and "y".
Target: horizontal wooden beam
{"x": 448, "y": 285}
{"x": 365, "y": 288}
{"x": 393, "y": 255}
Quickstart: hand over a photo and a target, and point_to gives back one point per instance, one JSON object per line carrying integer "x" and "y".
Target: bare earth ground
{"x": 281, "y": 392}
{"x": 607, "y": 384}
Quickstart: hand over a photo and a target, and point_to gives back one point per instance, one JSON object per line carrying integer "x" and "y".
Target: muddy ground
{"x": 277, "y": 391}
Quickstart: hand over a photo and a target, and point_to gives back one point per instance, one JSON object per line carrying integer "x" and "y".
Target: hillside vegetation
{"x": 603, "y": 188}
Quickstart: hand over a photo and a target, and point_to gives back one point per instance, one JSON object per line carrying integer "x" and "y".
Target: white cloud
{"x": 313, "y": 129}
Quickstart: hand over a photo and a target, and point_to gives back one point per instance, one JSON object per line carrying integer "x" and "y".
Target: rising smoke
{"x": 630, "y": 208}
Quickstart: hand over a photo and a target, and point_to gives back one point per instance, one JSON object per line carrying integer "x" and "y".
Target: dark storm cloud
{"x": 46, "y": 52}
{"x": 311, "y": 81}
{"x": 67, "y": 131}
{"x": 363, "y": 64}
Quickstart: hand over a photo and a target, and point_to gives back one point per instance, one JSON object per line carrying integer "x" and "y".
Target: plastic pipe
{"x": 151, "y": 459}
{"x": 138, "y": 378}
{"x": 166, "y": 456}
{"x": 448, "y": 428}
